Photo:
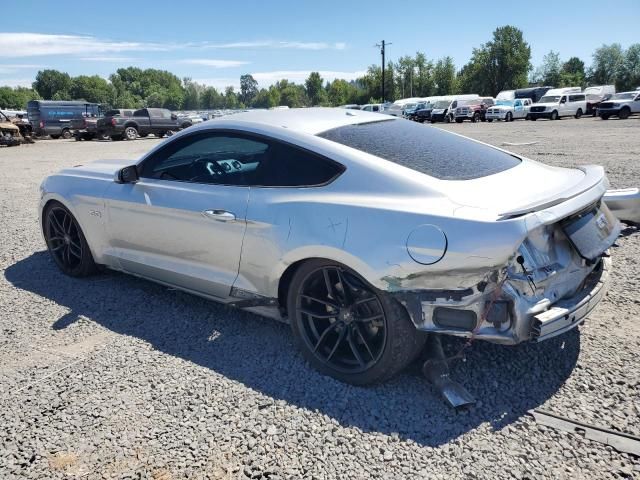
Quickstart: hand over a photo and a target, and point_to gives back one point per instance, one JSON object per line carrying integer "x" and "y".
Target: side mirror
{"x": 127, "y": 175}
{"x": 174, "y": 116}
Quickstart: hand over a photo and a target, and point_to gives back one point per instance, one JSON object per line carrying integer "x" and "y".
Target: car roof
{"x": 304, "y": 120}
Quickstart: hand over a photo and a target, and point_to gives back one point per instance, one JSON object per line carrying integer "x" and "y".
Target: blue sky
{"x": 215, "y": 42}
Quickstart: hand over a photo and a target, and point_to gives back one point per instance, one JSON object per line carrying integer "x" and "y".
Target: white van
{"x": 506, "y": 95}
{"x": 560, "y": 102}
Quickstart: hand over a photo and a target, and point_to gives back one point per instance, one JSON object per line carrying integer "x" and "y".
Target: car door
{"x": 517, "y": 109}
{"x": 184, "y": 221}
{"x": 635, "y": 105}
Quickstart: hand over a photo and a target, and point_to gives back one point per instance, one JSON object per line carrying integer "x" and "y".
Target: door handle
{"x": 219, "y": 215}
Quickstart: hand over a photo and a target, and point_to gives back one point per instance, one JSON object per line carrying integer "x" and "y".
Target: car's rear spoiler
{"x": 593, "y": 175}
{"x": 624, "y": 204}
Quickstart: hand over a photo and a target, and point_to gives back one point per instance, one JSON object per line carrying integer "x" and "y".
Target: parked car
{"x": 533, "y": 93}
{"x": 509, "y": 110}
{"x": 410, "y": 112}
{"x": 372, "y": 107}
{"x": 158, "y": 121}
{"x": 484, "y": 244}
{"x": 424, "y": 114}
{"x": 559, "y": 102}
{"x": 596, "y": 95}
{"x": 446, "y": 114}
{"x": 620, "y": 105}
{"x": 506, "y": 95}
{"x": 16, "y": 118}
{"x": 9, "y": 132}
{"x": 473, "y": 110}
{"x": 55, "y": 118}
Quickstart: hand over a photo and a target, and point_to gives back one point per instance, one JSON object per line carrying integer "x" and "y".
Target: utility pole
{"x": 382, "y": 52}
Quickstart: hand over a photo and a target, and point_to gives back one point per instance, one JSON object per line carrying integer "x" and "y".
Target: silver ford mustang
{"x": 362, "y": 231}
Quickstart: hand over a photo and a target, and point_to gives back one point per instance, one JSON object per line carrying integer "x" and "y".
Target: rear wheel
{"x": 554, "y": 115}
{"x": 509, "y": 117}
{"x": 346, "y": 328}
{"x": 624, "y": 113}
{"x": 604, "y": 116}
{"x": 130, "y": 133}
{"x": 66, "y": 134}
{"x": 66, "y": 242}
{"x": 578, "y": 113}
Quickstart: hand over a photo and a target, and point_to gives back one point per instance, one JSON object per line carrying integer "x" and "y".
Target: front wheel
{"x": 66, "y": 242}
{"x": 624, "y": 113}
{"x": 578, "y": 113}
{"x": 509, "y": 117}
{"x": 554, "y": 115}
{"x": 476, "y": 117}
{"x": 347, "y": 329}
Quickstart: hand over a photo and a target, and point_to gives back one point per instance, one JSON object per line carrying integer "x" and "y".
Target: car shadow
{"x": 261, "y": 354}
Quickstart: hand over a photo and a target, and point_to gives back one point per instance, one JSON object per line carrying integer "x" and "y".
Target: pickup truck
{"x": 621, "y": 105}
{"x": 509, "y": 110}
{"x": 158, "y": 121}
{"x": 473, "y": 110}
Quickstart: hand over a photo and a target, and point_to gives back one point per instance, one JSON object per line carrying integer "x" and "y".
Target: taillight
{"x": 41, "y": 124}
{"x": 113, "y": 122}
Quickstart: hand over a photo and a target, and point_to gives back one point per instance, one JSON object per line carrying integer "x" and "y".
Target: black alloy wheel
{"x": 66, "y": 242}
{"x": 345, "y": 328}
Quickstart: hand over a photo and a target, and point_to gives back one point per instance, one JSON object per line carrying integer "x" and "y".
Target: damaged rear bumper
{"x": 510, "y": 319}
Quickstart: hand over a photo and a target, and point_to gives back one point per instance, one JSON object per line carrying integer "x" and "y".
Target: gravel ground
{"x": 116, "y": 377}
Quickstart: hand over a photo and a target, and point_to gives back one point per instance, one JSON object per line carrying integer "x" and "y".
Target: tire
{"x": 578, "y": 113}
{"x": 604, "y": 116}
{"x": 130, "y": 133}
{"x": 160, "y": 134}
{"x": 554, "y": 115}
{"x": 459, "y": 120}
{"x": 77, "y": 138}
{"x": 55, "y": 137}
{"x": 489, "y": 120}
{"x": 66, "y": 134}
{"x": 446, "y": 119}
{"x": 345, "y": 346}
{"x": 475, "y": 118}
{"x": 508, "y": 117}
{"x": 533, "y": 119}
{"x": 66, "y": 242}
{"x": 624, "y": 113}
{"x": 527, "y": 117}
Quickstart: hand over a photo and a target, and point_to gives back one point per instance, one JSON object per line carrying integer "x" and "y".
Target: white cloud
{"x": 34, "y": 44}
{"x": 280, "y": 44}
{"x": 16, "y": 82}
{"x": 220, "y": 83}
{"x": 13, "y": 67}
{"x": 208, "y": 62}
{"x": 109, "y": 59}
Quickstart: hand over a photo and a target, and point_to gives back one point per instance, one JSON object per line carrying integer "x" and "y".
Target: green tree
{"x": 16, "y": 98}
{"x": 607, "y": 61}
{"x": 230, "y": 98}
{"x": 92, "y": 89}
{"x": 50, "y": 83}
{"x": 572, "y": 73}
{"x": 341, "y": 92}
{"x": 314, "y": 89}
{"x": 444, "y": 76}
{"x": 629, "y": 71}
{"x": 192, "y": 92}
{"x": 424, "y": 76}
{"x": 248, "y": 89}
{"x": 500, "y": 64}
{"x": 551, "y": 69}
{"x": 211, "y": 99}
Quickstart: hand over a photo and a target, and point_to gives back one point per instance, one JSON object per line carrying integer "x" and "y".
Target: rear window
{"x": 427, "y": 150}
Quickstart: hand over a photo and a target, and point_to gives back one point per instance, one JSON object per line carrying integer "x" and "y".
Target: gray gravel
{"x": 115, "y": 377}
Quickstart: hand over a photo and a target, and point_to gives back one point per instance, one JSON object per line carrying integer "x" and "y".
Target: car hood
{"x": 98, "y": 169}
{"x": 501, "y": 107}
{"x": 526, "y": 188}
{"x": 550, "y": 105}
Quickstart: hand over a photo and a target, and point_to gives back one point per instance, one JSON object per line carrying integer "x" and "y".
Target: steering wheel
{"x": 204, "y": 170}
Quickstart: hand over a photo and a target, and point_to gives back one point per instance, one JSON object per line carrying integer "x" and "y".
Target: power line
{"x": 382, "y": 52}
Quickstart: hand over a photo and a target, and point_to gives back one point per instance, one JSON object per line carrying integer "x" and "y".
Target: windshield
{"x": 442, "y": 104}
{"x": 508, "y": 103}
{"x": 430, "y": 151}
{"x": 623, "y": 96}
{"x": 551, "y": 99}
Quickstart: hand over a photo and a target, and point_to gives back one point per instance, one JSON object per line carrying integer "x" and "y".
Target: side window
{"x": 289, "y": 166}
{"x": 518, "y": 103}
{"x": 376, "y": 108}
{"x": 212, "y": 158}
{"x": 140, "y": 113}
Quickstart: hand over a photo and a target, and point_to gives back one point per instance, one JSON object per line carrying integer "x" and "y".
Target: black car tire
{"x": 130, "y": 133}
{"x": 578, "y": 113}
{"x": 489, "y": 120}
{"x": 400, "y": 345}
{"x": 476, "y": 117}
{"x": 57, "y": 224}
{"x": 624, "y": 113}
{"x": 460, "y": 120}
{"x": 554, "y": 115}
{"x": 66, "y": 134}
{"x": 604, "y": 116}
{"x": 509, "y": 117}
